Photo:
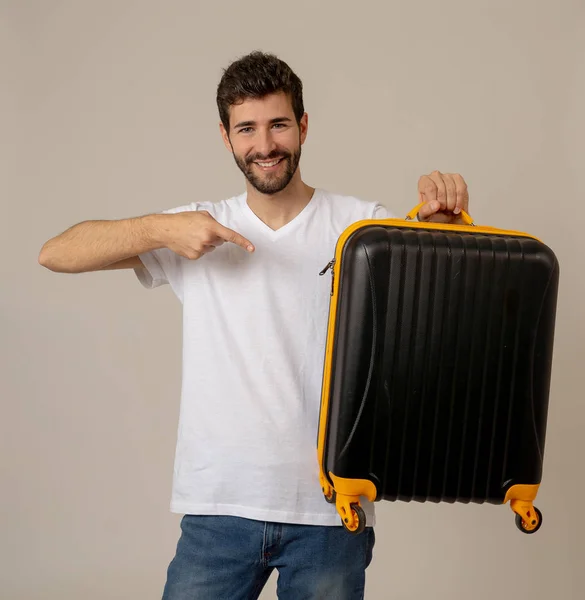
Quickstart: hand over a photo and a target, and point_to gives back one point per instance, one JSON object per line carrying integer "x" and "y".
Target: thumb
{"x": 428, "y": 209}
{"x": 229, "y": 235}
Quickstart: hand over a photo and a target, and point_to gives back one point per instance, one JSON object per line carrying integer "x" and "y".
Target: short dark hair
{"x": 254, "y": 76}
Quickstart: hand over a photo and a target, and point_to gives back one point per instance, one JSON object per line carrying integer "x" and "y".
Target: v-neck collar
{"x": 275, "y": 234}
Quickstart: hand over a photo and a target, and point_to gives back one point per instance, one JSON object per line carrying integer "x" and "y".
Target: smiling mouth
{"x": 269, "y": 164}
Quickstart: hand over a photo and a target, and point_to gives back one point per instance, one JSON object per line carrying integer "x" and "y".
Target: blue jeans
{"x": 230, "y": 558}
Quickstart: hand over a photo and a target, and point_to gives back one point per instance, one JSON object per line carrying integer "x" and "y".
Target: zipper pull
{"x": 328, "y": 266}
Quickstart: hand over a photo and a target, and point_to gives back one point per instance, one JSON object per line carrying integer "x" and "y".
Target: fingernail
{"x": 250, "y": 248}
{"x": 457, "y": 211}
{"x": 436, "y": 206}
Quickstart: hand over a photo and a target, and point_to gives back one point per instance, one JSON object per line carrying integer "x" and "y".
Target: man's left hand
{"x": 444, "y": 195}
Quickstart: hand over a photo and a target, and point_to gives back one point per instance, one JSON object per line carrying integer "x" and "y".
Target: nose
{"x": 265, "y": 143}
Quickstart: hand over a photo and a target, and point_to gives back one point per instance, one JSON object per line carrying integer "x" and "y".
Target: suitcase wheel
{"x": 531, "y": 526}
{"x": 332, "y": 496}
{"x": 359, "y": 520}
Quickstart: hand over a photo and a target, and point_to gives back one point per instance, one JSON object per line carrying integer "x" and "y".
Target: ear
{"x": 226, "y": 138}
{"x": 304, "y": 127}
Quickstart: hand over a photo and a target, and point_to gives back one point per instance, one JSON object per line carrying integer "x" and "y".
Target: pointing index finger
{"x": 229, "y": 235}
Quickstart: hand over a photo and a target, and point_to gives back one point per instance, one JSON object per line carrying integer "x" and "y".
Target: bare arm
{"x": 99, "y": 245}
{"x": 96, "y": 245}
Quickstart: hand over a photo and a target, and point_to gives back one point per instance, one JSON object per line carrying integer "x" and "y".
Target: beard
{"x": 270, "y": 183}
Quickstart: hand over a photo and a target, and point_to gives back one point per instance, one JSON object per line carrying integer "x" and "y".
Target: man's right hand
{"x": 192, "y": 234}
{"x": 97, "y": 245}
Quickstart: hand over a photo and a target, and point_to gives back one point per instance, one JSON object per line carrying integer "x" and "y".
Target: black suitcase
{"x": 437, "y": 368}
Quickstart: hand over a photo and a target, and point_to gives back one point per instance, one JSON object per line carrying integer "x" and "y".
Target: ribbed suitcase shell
{"x": 440, "y": 368}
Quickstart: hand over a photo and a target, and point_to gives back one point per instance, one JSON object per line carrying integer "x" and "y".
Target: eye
{"x": 279, "y": 125}
{"x": 245, "y": 130}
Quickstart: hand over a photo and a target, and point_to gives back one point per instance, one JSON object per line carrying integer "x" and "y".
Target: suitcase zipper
{"x": 330, "y": 265}
{"x": 327, "y": 267}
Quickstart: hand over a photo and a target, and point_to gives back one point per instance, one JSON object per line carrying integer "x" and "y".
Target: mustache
{"x": 274, "y": 155}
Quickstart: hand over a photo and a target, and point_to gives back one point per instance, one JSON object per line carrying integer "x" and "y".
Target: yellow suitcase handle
{"x": 414, "y": 212}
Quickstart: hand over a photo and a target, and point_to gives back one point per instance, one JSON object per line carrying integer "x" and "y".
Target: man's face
{"x": 266, "y": 141}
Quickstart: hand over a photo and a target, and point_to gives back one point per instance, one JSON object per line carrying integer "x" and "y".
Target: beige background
{"x": 108, "y": 110}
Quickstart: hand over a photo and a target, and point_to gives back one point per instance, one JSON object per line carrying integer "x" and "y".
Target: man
{"x": 246, "y": 270}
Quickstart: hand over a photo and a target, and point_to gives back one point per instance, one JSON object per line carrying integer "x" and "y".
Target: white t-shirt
{"x": 254, "y": 331}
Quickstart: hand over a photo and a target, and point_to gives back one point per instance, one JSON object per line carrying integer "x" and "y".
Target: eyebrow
{"x": 272, "y": 122}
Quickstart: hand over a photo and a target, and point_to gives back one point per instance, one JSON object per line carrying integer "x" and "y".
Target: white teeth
{"x": 268, "y": 164}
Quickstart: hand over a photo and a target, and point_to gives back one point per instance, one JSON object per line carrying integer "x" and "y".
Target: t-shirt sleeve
{"x": 162, "y": 266}
{"x": 381, "y": 212}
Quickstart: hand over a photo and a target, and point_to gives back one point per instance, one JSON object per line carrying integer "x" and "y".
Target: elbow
{"x": 48, "y": 260}
{"x": 45, "y": 259}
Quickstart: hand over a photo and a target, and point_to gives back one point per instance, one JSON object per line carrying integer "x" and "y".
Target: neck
{"x": 276, "y": 210}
